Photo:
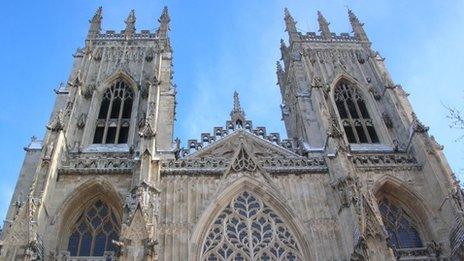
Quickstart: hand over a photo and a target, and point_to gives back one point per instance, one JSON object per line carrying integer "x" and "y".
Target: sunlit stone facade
{"x": 359, "y": 177}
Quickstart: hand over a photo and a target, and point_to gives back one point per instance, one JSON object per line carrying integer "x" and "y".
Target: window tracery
{"x": 114, "y": 116}
{"x": 401, "y": 229}
{"x": 94, "y": 231}
{"x": 248, "y": 229}
{"x": 354, "y": 115}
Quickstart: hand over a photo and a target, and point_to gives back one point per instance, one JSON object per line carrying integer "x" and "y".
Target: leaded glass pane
{"x": 94, "y": 231}
{"x": 353, "y": 113}
{"x": 400, "y": 227}
{"x": 248, "y": 229}
{"x": 114, "y": 115}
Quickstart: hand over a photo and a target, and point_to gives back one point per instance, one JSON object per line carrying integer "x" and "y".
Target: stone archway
{"x": 249, "y": 220}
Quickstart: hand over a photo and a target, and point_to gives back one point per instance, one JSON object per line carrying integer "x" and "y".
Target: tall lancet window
{"x": 248, "y": 229}
{"x": 355, "y": 118}
{"x": 401, "y": 229}
{"x": 114, "y": 117}
{"x": 94, "y": 231}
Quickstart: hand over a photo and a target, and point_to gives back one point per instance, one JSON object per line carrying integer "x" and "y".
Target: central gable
{"x": 239, "y": 147}
{"x": 257, "y": 147}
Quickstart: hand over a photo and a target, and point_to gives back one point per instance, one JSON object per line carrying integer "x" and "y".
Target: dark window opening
{"x": 123, "y": 133}
{"x": 400, "y": 226}
{"x": 104, "y": 108}
{"x": 341, "y": 110}
{"x": 353, "y": 113}
{"x": 110, "y": 135}
{"x": 126, "y": 112}
{"x": 372, "y": 134}
{"x": 114, "y": 115}
{"x": 115, "y": 108}
{"x": 349, "y": 134}
{"x": 98, "y": 136}
{"x": 361, "y": 134}
{"x": 94, "y": 231}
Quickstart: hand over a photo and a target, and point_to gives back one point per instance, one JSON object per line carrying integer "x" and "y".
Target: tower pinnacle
{"x": 164, "y": 23}
{"x": 324, "y": 26}
{"x": 290, "y": 24}
{"x": 95, "y": 24}
{"x": 357, "y": 26}
{"x": 237, "y": 114}
{"x": 130, "y": 24}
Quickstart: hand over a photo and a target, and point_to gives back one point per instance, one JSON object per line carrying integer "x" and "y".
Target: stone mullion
{"x": 108, "y": 115}
{"x": 118, "y": 125}
{"x": 350, "y": 121}
{"x": 361, "y": 118}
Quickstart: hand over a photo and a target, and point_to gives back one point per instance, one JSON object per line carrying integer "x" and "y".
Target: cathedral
{"x": 358, "y": 178}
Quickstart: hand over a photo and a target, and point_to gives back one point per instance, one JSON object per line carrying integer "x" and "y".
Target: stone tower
{"x": 358, "y": 178}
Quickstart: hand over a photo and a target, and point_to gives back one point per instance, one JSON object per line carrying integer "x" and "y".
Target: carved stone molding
{"x": 97, "y": 163}
{"x": 386, "y": 161}
{"x": 346, "y": 188}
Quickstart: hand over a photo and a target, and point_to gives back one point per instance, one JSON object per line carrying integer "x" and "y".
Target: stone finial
{"x": 164, "y": 23}
{"x": 95, "y": 23}
{"x": 130, "y": 24}
{"x": 324, "y": 26}
{"x": 357, "y": 26}
{"x": 290, "y": 24}
{"x": 237, "y": 114}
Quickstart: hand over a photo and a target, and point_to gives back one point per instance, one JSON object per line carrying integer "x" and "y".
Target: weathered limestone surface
{"x": 238, "y": 193}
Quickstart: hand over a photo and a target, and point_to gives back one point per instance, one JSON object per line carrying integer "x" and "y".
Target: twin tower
{"x": 358, "y": 178}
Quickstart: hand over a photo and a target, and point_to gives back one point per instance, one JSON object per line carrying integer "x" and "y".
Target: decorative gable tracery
{"x": 248, "y": 229}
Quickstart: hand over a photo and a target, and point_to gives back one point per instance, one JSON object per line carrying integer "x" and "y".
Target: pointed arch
{"x": 123, "y": 128}
{"x": 116, "y": 109}
{"x": 354, "y": 110}
{"x": 392, "y": 193}
{"x": 118, "y": 75}
{"x": 262, "y": 192}
{"x": 93, "y": 193}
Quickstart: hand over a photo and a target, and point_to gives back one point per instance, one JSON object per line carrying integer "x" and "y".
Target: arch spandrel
{"x": 268, "y": 201}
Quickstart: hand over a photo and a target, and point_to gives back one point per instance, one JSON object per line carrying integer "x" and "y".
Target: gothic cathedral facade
{"x": 359, "y": 177}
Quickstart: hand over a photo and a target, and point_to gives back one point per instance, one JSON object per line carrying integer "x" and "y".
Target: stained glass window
{"x": 400, "y": 227}
{"x": 353, "y": 112}
{"x": 114, "y": 116}
{"x": 94, "y": 231}
{"x": 248, "y": 229}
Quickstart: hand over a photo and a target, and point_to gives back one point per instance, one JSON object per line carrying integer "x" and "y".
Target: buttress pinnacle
{"x": 323, "y": 26}
{"x": 357, "y": 26}
{"x": 290, "y": 24}
{"x": 164, "y": 23}
{"x": 130, "y": 24}
{"x": 95, "y": 23}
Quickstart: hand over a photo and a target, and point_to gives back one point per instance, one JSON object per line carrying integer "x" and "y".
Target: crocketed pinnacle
{"x": 357, "y": 26}
{"x": 95, "y": 23}
{"x": 323, "y": 26}
{"x": 130, "y": 24}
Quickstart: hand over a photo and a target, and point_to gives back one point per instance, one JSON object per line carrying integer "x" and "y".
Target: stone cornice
{"x": 386, "y": 161}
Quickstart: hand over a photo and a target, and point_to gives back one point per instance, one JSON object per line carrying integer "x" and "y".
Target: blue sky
{"x": 219, "y": 47}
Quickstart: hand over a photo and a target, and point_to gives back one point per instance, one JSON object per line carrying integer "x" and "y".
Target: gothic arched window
{"x": 114, "y": 116}
{"x": 94, "y": 231}
{"x": 355, "y": 118}
{"x": 400, "y": 227}
{"x": 248, "y": 229}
